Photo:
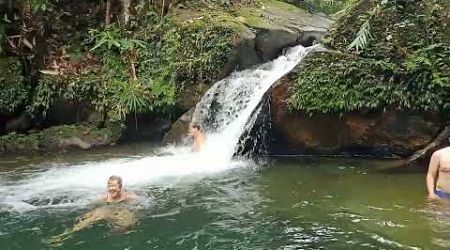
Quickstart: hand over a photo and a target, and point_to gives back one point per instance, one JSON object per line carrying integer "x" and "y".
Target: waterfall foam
{"x": 226, "y": 109}
{"x": 226, "y": 113}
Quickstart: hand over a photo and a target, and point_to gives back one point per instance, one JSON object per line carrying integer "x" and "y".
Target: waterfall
{"x": 225, "y": 111}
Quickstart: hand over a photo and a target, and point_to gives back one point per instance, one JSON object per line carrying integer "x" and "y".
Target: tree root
{"x": 439, "y": 140}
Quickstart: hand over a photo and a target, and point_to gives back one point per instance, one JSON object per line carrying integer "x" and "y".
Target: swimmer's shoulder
{"x": 130, "y": 196}
{"x": 437, "y": 154}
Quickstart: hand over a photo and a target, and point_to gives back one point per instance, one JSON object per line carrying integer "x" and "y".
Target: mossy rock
{"x": 337, "y": 83}
{"x": 57, "y": 138}
{"x": 319, "y": 6}
{"x": 406, "y": 64}
{"x": 397, "y": 27}
{"x": 14, "y": 90}
{"x": 206, "y": 44}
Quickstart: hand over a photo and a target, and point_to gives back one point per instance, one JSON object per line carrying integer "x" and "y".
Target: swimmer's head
{"x": 195, "y": 129}
{"x": 196, "y": 126}
{"x": 114, "y": 186}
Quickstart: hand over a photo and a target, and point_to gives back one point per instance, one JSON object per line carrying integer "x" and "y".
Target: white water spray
{"x": 225, "y": 111}
{"x": 226, "y": 108}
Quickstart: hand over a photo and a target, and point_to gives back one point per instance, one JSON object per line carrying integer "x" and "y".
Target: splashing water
{"x": 226, "y": 113}
{"x": 227, "y": 107}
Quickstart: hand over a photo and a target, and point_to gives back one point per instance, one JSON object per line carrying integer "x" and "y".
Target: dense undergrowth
{"x": 118, "y": 69}
{"x": 403, "y": 64}
{"x": 321, "y": 6}
{"x": 14, "y": 90}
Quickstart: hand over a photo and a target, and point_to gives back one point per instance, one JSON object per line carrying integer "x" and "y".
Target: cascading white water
{"x": 225, "y": 111}
{"x": 226, "y": 108}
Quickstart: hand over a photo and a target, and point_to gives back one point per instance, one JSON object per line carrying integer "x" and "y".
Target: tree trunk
{"x": 163, "y": 6}
{"x": 439, "y": 140}
{"x": 126, "y": 4}
{"x": 132, "y": 58}
{"x": 108, "y": 12}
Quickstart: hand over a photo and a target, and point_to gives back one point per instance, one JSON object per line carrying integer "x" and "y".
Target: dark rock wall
{"x": 390, "y": 133}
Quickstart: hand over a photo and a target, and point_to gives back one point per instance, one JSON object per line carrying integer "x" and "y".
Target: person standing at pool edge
{"x": 438, "y": 176}
{"x": 199, "y": 136}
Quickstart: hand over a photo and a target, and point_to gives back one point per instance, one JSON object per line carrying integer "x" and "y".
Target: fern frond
{"x": 362, "y": 38}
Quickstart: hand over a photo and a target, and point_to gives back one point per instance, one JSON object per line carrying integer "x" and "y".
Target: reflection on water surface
{"x": 307, "y": 203}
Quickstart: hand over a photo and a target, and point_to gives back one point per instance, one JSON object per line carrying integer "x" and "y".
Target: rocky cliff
{"x": 383, "y": 89}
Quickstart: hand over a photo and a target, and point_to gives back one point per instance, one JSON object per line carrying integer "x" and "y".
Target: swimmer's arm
{"x": 83, "y": 222}
{"x": 90, "y": 218}
{"x": 432, "y": 174}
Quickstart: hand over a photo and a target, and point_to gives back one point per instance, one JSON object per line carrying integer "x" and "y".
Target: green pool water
{"x": 295, "y": 203}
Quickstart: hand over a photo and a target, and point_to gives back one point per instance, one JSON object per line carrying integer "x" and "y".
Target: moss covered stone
{"x": 320, "y": 6}
{"x": 405, "y": 65}
{"x": 397, "y": 28}
{"x": 336, "y": 82}
{"x": 58, "y": 138}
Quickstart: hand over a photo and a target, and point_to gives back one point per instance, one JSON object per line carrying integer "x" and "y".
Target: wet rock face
{"x": 263, "y": 42}
{"x": 254, "y": 46}
{"x": 180, "y": 129}
{"x": 145, "y": 127}
{"x": 257, "y": 45}
{"x": 384, "y": 134}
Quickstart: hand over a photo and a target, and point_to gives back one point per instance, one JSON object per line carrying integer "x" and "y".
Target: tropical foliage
{"x": 14, "y": 90}
{"x": 394, "y": 65}
{"x": 351, "y": 84}
{"x": 133, "y": 69}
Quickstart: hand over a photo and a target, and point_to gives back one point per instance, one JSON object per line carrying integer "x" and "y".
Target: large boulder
{"x": 261, "y": 33}
{"x": 390, "y": 133}
{"x": 179, "y": 129}
{"x": 387, "y": 97}
{"x": 277, "y": 28}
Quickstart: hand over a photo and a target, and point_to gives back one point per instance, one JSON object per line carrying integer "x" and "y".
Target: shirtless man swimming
{"x": 120, "y": 217}
{"x": 438, "y": 176}
{"x": 114, "y": 191}
{"x": 199, "y": 136}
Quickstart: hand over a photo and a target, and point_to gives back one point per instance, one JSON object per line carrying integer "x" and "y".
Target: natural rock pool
{"x": 295, "y": 203}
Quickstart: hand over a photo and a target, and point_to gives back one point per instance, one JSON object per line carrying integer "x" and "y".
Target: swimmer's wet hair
{"x": 116, "y": 178}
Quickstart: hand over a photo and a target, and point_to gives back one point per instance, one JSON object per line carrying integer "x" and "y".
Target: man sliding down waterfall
{"x": 438, "y": 176}
{"x": 198, "y": 134}
{"x": 119, "y": 216}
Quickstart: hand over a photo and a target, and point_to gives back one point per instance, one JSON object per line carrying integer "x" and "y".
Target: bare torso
{"x": 125, "y": 196}
{"x": 443, "y": 180}
{"x": 199, "y": 141}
